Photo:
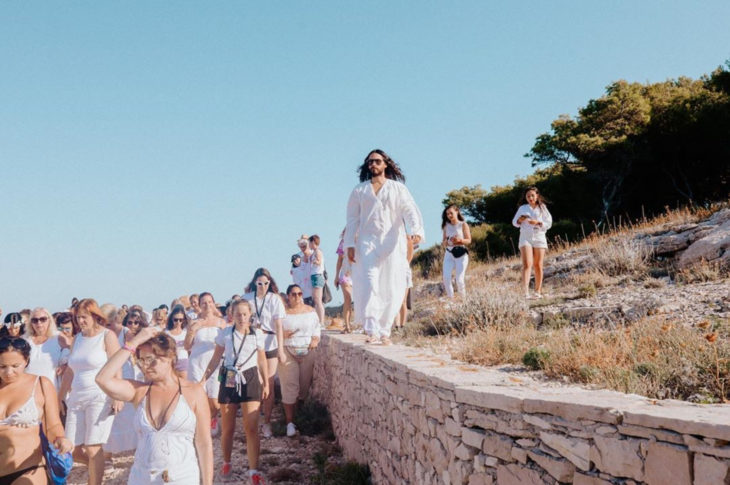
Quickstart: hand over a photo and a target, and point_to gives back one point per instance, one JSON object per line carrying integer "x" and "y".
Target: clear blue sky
{"x": 153, "y": 149}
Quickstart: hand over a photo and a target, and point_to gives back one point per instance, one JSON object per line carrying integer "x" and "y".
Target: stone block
{"x": 525, "y": 443}
{"x": 701, "y": 446}
{"x": 574, "y": 405}
{"x": 464, "y": 452}
{"x": 491, "y": 397}
{"x": 580, "y": 479}
{"x": 710, "y": 421}
{"x": 536, "y": 421}
{"x": 433, "y": 406}
{"x": 619, "y": 458}
{"x": 651, "y": 433}
{"x": 459, "y": 472}
{"x": 667, "y": 463}
{"x": 517, "y": 475}
{"x": 472, "y": 437}
{"x": 498, "y": 445}
{"x": 560, "y": 470}
{"x": 480, "y": 479}
{"x": 605, "y": 430}
{"x": 711, "y": 471}
{"x": 575, "y": 450}
{"x": 437, "y": 455}
{"x": 479, "y": 463}
{"x": 519, "y": 455}
{"x": 452, "y": 427}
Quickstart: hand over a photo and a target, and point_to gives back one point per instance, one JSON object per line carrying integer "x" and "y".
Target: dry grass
{"x": 702, "y": 272}
{"x": 620, "y": 255}
{"x": 652, "y": 358}
{"x": 486, "y": 305}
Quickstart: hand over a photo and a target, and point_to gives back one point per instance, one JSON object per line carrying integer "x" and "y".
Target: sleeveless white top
{"x": 88, "y": 356}
{"x": 454, "y": 230}
{"x": 182, "y": 354}
{"x": 201, "y": 352}
{"x": 45, "y": 358}
{"x": 166, "y": 453}
{"x": 316, "y": 268}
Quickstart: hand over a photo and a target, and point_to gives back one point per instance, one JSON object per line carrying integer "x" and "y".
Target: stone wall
{"x": 417, "y": 417}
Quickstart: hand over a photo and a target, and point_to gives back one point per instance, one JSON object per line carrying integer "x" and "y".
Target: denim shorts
{"x": 317, "y": 281}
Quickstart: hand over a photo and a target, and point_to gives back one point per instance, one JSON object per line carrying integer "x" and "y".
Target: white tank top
{"x": 317, "y": 268}
{"x": 454, "y": 230}
{"x": 87, "y": 357}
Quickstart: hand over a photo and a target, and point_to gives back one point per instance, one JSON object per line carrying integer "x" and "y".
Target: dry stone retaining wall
{"x": 419, "y": 418}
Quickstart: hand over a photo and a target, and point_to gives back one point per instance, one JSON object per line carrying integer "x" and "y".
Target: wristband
{"x": 129, "y": 348}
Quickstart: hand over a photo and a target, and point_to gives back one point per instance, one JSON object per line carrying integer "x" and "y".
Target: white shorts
{"x": 90, "y": 424}
{"x": 535, "y": 241}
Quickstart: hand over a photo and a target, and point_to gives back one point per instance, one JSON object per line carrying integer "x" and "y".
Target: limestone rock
{"x": 577, "y": 451}
{"x": 498, "y": 445}
{"x": 667, "y": 463}
{"x": 711, "y": 471}
{"x": 560, "y": 470}
{"x": 472, "y": 437}
{"x": 620, "y": 458}
{"x": 517, "y": 475}
{"x": 712, "y": 247}
{"x": 480, "y": 479}
{"x": 580, "y": 479}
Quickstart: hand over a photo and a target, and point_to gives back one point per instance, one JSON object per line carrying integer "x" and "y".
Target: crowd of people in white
{"x": 107, "y": 379}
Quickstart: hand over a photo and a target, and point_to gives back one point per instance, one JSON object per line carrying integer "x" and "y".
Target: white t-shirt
{"x": 230, "y": 337}
{"x": 266, "y": 310}
{"x": 45, "y": 358}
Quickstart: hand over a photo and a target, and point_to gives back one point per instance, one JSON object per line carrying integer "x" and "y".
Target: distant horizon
{"x": 151, "y": 150}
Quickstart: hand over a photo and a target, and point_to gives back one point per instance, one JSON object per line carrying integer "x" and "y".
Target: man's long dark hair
{"x": 392, "y": 170}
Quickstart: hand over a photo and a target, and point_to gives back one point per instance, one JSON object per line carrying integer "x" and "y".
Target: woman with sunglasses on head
{"x": 269, "y": 312}
{"x": 122, "y": 437}
{"x": 13, "y": 325}
{"x": 171, "y": 415}
{"x": 200, "y": 342}
{"x": 177, "y": 324}
{"x": 242, "y": 350}
{"x": 90, "y": 413}
{"x": 26, "y": 402}
{"x": 46, "y": 348}
{"x": 301, "y": 334}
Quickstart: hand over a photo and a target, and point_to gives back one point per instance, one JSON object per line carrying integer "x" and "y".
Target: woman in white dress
{"x": 177, "y": 325}
{"x": 269, "y": 311}
{"x": 122, "y": 437}
{"x": 534, "y": 220}
{"x": 171, "y": 414}
{"x": 456, "y": 237}
{"x": 200, "y": 342}
{"x": 90, "y": 412}
{"x": 46, "y": 345}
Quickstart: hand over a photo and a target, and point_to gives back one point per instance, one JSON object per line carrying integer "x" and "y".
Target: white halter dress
{"x": 165, "y": 456}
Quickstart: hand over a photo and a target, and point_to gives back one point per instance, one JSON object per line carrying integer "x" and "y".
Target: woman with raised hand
{"x": 200, "y": 342}
{"x": 269, "y": 312}
{"x": 46, "y": 348}
{"x": 456, "y": 237}
{"x": 242, "y": 350}
{"x": 533, "y": 219}
{"x": 90, "y": 413}
{"x": 122, "y": 437}
{"x": 177, "y": 325}
{"x": 26, "y": 402}
{"x": 172, "y": 415}
{"x": 301, "y": 334}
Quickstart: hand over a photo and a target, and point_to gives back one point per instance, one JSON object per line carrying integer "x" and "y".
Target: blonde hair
{"x": 50, "y": 332}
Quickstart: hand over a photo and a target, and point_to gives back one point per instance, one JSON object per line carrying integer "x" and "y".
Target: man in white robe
{"x": 378, "y": 211}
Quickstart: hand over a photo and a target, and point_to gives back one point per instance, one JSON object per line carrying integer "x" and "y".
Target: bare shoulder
{"x": 193, "y": 392}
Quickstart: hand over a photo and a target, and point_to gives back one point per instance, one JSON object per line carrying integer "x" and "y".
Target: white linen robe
{"x": 376, "y": 228}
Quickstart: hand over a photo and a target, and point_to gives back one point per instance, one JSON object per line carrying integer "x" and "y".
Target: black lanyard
{"x": 240, "y": 347}
{"x": 256, "y": 305}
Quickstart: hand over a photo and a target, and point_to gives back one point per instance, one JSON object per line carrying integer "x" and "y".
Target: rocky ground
{"x": 286, "y": 461}
{"x": 677, "y": 268}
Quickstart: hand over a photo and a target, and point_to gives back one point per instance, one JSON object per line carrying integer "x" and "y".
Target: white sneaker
{"x": 291, "y": 430}
{"x": 266, "y": 430}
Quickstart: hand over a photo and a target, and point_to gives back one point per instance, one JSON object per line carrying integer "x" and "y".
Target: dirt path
{"x": 283, "y": 460}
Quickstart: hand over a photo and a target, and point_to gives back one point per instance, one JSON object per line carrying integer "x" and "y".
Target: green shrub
{"x": 536, "y": 358}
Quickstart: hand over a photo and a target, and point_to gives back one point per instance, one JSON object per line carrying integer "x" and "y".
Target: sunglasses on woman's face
{"x": 39, "y": 320}
{"x": 178, "y": 320}
{"x": 262, "y": 283}
{"x": 296, "y": 293}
